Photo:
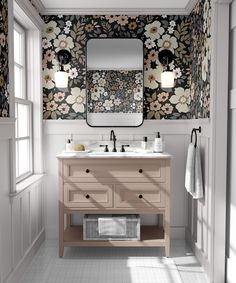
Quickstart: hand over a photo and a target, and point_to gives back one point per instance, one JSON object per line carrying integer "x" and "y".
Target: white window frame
{"x": 29, "y": 138}
{"x": 24, "y": 101}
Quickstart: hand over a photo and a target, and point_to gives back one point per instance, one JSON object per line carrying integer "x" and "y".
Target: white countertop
{"x": 128, "y": 154}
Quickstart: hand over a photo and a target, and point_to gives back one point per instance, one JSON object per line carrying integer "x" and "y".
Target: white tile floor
{"x": 114, "y": 265}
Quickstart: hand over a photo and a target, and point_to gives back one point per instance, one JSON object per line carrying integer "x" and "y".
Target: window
{"x": 23, "y": 107}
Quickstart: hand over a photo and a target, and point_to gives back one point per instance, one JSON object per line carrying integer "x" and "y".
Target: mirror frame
{"x": 86, "y": 89}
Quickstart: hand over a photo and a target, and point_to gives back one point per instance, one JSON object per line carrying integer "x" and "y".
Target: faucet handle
{"x": 123, "y": 147}
{"x": 106, "y": 147}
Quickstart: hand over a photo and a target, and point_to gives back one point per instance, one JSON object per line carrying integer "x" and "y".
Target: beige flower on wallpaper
{"x": 48, "y": 78}
{"x": 154, "y": 30}
{"x": 63, "y": 42}
{"x": 167, "y": 42}
{"x": 51, "y": 30}
{"x": 77, "y": 99}
{"x": 152, "y": 77}
{"x": 182, "y": 99}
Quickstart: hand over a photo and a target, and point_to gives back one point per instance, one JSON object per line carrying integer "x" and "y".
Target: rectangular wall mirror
{"x": 114, "y": 82}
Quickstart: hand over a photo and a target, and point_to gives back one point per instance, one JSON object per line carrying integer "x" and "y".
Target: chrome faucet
{"x": 113, "y": 138}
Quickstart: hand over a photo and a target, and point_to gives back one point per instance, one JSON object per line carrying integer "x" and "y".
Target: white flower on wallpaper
{"x": 73, "y": 73}
{"x": 182, "y": 99}
{"x": 108, "y": 104}
{"x": 63, "y": 42}
{"x": 51, "y": 30}
{"x": 152, "y": 77}
{"x": 150, "y": 43}
{"x": 46, "y": 43}
{"x": 154, "y": 30}
{"x": 95, "y": 94}
{"x": 77, "y": 99}
{"x": 167, "y": 42}
{"x": 48, "y": 78}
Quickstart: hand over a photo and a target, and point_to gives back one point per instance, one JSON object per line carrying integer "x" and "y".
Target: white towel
{"x": 112, "y": 226}
{"x": 193, "y": 173}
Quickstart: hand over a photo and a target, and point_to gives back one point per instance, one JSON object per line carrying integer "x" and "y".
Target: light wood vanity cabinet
{"x": 114, "y": 185}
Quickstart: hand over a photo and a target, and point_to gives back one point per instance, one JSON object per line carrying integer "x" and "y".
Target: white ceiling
{"x": 113, "y": 4}
{"x": 148, "y": 7}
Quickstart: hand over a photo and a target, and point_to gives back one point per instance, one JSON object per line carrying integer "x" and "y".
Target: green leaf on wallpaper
{"x": 46, "y": 114}
{"x": 72, "y": 34}
{"x": 54, "y": 115}
{"x": 50, "y": 96}
{"x": 176, "y": 34}
{"x": 150, "y": 114}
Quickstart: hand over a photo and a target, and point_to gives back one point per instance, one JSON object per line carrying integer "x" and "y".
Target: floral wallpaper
{"x": 4, "y": 80}
{"x": 183, "y": 35}
{"x": 157, "y": 32}
{"x": 110, "y": 91}
{"x": 201, "y": 59}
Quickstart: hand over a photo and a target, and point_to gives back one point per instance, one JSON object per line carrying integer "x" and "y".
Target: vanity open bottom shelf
{"x": 151, "y": 236}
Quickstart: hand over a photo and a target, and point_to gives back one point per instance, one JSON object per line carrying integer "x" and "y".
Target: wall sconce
{"x": 61, "y": 76}
{"x": 167, "y": 76}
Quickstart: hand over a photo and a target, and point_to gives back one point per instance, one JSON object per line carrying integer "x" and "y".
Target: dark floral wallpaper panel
{"x": 4, "y": 95}
{"x": 115, "y": 91}
{"x": 183, "y": 35}
{"x": 156, "y": 32}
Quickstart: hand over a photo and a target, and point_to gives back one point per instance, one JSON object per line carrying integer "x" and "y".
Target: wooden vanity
{"x": 96, "y": 184}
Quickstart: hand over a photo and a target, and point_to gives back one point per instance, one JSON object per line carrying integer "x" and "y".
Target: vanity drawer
{"x": 137, "y": 195}
{"x": 77, "y": 195}
{"x": 118, "y": 170}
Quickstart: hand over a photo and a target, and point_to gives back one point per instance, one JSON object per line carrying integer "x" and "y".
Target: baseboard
{"x": 199, "y": 254}
{"x": 24, "y": 262}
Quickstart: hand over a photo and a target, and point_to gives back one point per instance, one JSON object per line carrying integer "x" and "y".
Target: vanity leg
{"x": 61, "y": 230}
{"x": 68, "y": 220}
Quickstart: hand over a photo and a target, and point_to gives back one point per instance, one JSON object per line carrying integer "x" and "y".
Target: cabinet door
{"x": 80, "y": 195}
{"x": 140, "y": 195}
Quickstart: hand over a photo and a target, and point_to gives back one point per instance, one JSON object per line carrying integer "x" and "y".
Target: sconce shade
{"x": 61, "y": 79}
{"x": 167, "y": 79}
{"x": 165, "y": 57}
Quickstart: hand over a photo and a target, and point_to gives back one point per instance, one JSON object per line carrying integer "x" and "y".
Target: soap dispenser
{"x": 158, "y": 143}
{"x": 68, "y": 145}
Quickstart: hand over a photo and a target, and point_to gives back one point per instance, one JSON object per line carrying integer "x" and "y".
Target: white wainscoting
{"x": 176, "y": 135}
{"x": 21, "y": 215}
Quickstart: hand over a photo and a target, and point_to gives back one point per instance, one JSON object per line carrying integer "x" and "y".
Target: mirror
{"x": 114, "y": 82}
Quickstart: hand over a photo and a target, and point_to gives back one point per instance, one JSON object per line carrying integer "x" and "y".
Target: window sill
{"x": 26, "y": 183}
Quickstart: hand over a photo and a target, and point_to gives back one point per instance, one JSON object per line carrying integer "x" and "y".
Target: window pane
{"x": 19, "y": 92}
{"x": 18, "y": 47}
{"x": 17, "y": 160}
{"x": 16, "y": 115}
{"x": 23, "y": 120}
{"x": 24, "y": 162}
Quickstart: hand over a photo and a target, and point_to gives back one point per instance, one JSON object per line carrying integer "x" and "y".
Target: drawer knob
{"x": 87, "y": 170}
{"x": 87, "y": 196}
{"x": 140, "y": 196}
{"x": 140, "y": 170}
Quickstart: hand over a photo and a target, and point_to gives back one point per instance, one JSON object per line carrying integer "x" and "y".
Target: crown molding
{"x": 226, "y": 2}
{"x": 189, "y": 7}
{"x": 39, "y": 6}
{"x": 110, "y": 11}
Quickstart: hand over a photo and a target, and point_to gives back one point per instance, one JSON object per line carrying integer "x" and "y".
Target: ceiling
{"x": 61, "y": 4}
{"x": 106, "y": 6}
